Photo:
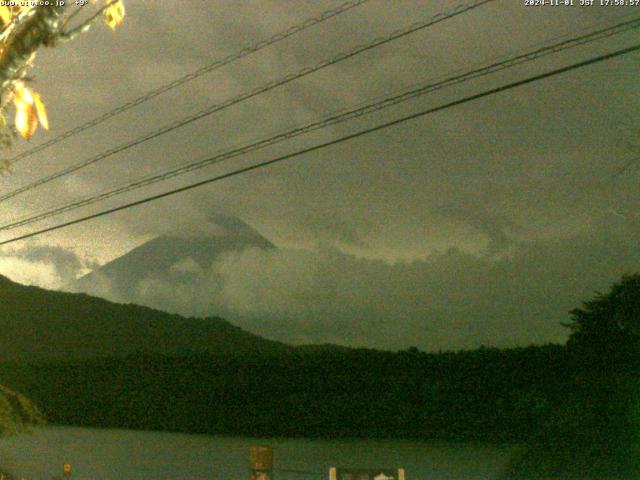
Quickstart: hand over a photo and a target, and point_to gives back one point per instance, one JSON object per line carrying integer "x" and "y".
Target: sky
{"x": 481, "y": 224}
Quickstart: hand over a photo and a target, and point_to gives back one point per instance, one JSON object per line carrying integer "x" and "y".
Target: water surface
{"x": 131, "y": 455}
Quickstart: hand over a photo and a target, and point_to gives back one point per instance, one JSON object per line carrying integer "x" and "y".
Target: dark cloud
{"x": 511, "y": 181}
{"x": 495, "y": 228}
{"x": 450, "y": 300}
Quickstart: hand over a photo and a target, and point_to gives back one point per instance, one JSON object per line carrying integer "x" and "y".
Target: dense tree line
{"x": 483, "y": 394}
{"x": 594, "y": 430}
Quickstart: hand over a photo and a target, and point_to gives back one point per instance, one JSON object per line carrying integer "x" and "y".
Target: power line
{"x": 278, "y": 37}
{"x": 335, "y": 119}
{"x": 250, "y": 94}
{"x": 336, "y": 141}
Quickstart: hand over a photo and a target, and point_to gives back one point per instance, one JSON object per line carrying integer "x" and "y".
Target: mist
{"x": 450, "y": 300}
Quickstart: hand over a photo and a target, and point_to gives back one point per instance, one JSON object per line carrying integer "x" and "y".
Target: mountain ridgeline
{"x": 40, "y": 325}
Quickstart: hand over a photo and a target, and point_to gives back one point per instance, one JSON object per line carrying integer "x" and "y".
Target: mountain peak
{"x": 221, "y": 225}
{"x": 174, "y": 258}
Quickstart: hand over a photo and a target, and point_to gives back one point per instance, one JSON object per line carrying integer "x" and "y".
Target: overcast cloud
{"x": 521, "y": 185}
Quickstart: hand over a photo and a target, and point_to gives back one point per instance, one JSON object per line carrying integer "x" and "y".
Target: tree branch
{"x": 38, "y": 28}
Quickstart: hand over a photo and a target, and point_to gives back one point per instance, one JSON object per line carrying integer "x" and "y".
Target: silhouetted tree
{"x": 611, "y": 321}
{"x": 605, "y": 353}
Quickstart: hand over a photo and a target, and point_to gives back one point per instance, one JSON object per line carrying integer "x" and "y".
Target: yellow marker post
{"x": 261, "y": 463}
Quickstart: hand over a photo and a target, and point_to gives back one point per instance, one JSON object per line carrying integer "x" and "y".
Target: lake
{"x": 132, "y": 455}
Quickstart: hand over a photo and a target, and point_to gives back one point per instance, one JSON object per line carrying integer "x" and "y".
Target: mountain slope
{"x": 175, "y": 259}
{"x": 38, "y": 324}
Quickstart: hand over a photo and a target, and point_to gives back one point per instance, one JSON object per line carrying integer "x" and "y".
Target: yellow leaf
{"x": 114, "y": 14}
{"x": 26, "y": 115}
{"x": 41, "y": 112}
{"x": 26, "y": 120}
{"x": 22, "y": 93}
{"x": 5, "y": 14}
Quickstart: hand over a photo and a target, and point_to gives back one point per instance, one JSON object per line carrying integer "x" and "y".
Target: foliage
{"x": 610, "y": 321}
{"x": 25, "y": 29}
{"x": 17, "y": 413}
{"x": 596, "y": 428}
{"x": 488, "y": 394}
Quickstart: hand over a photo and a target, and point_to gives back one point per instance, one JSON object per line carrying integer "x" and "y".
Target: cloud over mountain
{"x": 451, "y": 299}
